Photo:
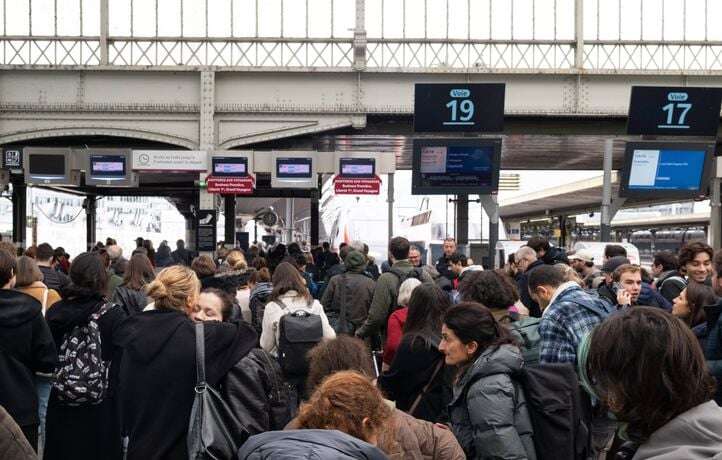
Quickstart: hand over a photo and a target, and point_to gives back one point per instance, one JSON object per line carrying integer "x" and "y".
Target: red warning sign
{"x": 357, "y": 186}
{"x": 230, "y": 185}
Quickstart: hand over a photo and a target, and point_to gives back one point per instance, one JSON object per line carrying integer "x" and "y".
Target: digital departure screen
{"x": 294, "y": 168}
{"x": 230, "y": 167}
{"x": 456, "y": 166}
{"x": 46, "y": 166}
{"x": 108, "y": 166}
{"x": 358, "y": 167}
{"x": 654, "y": 169}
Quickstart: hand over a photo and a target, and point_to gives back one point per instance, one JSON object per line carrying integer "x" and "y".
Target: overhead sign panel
{"x": 464, "y": 107}
{"x": 666, "y": 169}
{"x": 170, "y": 160}
{"x": 455, "y": 166}
{"x": 674, "y": 111}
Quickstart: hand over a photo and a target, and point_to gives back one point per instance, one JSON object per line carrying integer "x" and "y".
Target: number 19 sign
{"x": 678, "y": 111}
{"x": 475, "y": 107}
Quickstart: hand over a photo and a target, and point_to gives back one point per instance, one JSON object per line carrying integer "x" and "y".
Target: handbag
{"x": 427, "y": 387}
{"x": 214, "y": 432}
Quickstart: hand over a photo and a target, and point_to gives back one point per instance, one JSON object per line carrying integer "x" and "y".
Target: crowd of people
{"x": 289, "y": 353}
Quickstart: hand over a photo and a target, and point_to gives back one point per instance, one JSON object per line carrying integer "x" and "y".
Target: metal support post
{"x": 390, "y": 201}
{"x": 229, "y": 202}
{"x": 287, "y": 220}
{"x": 315, "y": 218}
{"x": 462, "y": 219}
{"x": 104, "y": 28}
{"x": 207, "y": 106}
{"x": 491, "y": 206}
{"x": 606, "y": 214}
{"x": 90, "y": 206}
{"x": 715, "y": 218}
{"x": 20, "y": 212}
{"x": 562, "y": 231}
{"x": 579, "y": 34}
{"x": 359, "y": 36}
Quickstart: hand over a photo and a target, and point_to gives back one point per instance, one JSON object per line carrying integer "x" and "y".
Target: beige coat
{"x": 37, "y": 291}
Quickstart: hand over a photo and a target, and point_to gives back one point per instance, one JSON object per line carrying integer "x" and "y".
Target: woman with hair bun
{"x": 158, "y": 370}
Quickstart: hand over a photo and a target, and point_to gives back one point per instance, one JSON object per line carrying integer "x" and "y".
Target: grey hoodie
{"x": 692, "y": 435}
{"x": 488, "y": 412}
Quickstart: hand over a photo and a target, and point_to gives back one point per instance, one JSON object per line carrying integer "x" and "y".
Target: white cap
{"x": 582, "y": 254}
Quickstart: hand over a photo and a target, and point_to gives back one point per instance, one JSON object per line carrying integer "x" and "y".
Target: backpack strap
{"x": 427, "y": 387}
{"x": 200, "y": 356}
{"x": 344, "y": 290}
{"x": 281, "y": 303}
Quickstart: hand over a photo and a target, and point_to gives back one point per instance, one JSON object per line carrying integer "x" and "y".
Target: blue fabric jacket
{"x": 713, "y": 345}
{"x": 566, "y": 321}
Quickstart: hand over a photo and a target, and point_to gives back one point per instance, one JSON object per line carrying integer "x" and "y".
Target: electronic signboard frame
{"x": 224, "y": 160}
{"x": 31, "y": 156}
{"x": 417, "y": 187}
{"x": 626, "y": 192}
{"x": 279, "y": 179}
{"x": 127, "y": 179}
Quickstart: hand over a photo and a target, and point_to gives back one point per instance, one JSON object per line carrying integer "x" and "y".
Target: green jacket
{"x": 384, "y": 299}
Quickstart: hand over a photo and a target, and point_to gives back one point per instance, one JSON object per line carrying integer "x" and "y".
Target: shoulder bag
{"x": 214, "y": 432}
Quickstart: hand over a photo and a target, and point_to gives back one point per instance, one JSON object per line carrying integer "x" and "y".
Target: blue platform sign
{"x": 674, "y": 111}
{"x": 463, "y": 107}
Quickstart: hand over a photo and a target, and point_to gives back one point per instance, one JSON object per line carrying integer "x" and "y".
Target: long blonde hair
{"x": 172, "y": 288}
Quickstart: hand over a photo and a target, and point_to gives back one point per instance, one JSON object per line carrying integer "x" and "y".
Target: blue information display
{"x": 463, "y": 107}
{"x": 109, "y": 167}
{"x": 458, "y": 166}
{"x": 653, "y": 169}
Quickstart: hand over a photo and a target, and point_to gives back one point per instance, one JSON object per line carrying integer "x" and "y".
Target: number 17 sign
{"x": 464, "y": 107}
{"x": 674, "y": 111}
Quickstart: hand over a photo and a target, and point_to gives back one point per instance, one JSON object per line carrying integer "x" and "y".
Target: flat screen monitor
{"x": 230, "y": 166}
{"x": 108, "y": 167}
{"x": 456, "y": 166}
{"x": 47, "y": 166}
{"x": 357, "y": 167}
{"x": 294, "y": 168}
{"x": 666, "y": 170}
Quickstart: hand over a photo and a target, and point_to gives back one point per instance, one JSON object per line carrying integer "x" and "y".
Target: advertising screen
{"x": 294, "y": 168}
{"x": 358, "y": 167}
{"x": 46, "y": 166}
{"x": 107, "y": 166}
{"x": 456, "y": 166}
{"x": 653, "y": 169}
{"x": 230, "y": 167}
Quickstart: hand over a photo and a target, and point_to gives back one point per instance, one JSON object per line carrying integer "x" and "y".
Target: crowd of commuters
{"x": 322, "y": 354}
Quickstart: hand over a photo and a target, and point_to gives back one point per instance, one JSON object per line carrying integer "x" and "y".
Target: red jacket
{"x": 394, "y": 332}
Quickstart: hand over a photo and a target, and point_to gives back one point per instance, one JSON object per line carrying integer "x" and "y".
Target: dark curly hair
{"x": 490, "y": 288}
{"x": 689, "y": 252}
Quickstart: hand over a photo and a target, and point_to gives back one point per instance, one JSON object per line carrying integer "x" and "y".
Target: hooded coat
{"x": 488, "y": 413}
{"x": 308, "y": 444}
{"x": 352, "y": 289}
{"x": 158, "y": 376}
{"x": 26, "y": 347}
{"x": 98, "y": 423}
{"x": 130, "y": 300}
{"x": 692, "y": 435}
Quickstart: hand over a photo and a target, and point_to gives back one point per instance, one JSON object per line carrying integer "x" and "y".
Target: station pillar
{"x": 490, "y": 205}
{"x": 715, "y": 218}
{"x": 315, "y": 218}
{"x": 390, "y": 201}
{"x": 90, "y": 208}
{"x": 562, "y": 231}
{"x": 229, "y": 205}
{"x": 605, "y": 226}
{"x": 20, "y": 212}
{"x": 462, "y": 219}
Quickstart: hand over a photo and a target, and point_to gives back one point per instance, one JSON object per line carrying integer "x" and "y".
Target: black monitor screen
{"x": 358, "y": 167}
{"x": 230, "y": 167}
{"x": 456, "y": 166}
{"x": 294, "y": 168}
{"x": 46, "y": 165}
{"x": 107, "y": 166}
{"x": 655, "y": 169}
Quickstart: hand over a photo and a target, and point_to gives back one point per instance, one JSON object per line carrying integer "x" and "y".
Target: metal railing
{"x": 492, "y": 36}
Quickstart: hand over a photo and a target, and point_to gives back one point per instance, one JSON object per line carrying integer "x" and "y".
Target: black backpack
{"x": 415, "y": 272}
{"x": 560, "y": 413}
{"x": 298, "y": 332}
{"x": 527, "y": 332}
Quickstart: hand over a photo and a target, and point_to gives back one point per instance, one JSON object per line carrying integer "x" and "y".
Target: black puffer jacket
{"x": 26, "y": 347}
{"x": 158, "y": 375}
{"x": 130, "y": 300}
